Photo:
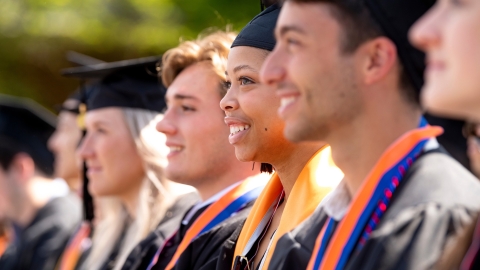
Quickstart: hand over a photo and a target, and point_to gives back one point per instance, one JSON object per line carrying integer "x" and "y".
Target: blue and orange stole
{"x": 319, "y": 176}
{"x": 230, "y": 203}
{"x": 371, "y": 202}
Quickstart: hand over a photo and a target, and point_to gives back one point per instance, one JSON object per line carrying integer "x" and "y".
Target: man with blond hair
{"x": 200, "y": 154}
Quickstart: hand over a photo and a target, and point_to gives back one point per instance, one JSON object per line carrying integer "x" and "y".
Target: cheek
{"x": 122, "y": 166}
{"x": 455, "y": 91}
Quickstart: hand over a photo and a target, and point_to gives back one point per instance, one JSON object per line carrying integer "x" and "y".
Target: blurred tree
{"x": 36, "y": 34}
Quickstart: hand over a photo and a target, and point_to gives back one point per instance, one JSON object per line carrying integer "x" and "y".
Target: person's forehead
{"x": 104, "y": 116}
{"x": 305, "y": 17}
{"x": 197, "y": 82}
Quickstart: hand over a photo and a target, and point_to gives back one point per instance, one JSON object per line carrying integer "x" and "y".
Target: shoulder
{"x": 436, "y": 178}
{"x": 204, "y": 251}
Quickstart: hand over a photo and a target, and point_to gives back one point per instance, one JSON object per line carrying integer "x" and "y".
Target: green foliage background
{"x": 36, "y": 34}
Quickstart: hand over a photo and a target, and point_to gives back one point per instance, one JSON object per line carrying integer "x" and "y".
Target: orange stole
{"x": 73, "y": 251}
{"x": 212, "y": 211}
{"x": 4, "y": 241}
{"x": 394, "y": 152}
{"x": 306, "y": 195}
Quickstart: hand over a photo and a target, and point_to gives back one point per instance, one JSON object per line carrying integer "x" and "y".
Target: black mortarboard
{"x": 258, "y": 33}
{"x": 76, "y": 99}
{"x": 395, "y": 17}
{"x": 25, "y": 126}
{"x": 129, "y": 84}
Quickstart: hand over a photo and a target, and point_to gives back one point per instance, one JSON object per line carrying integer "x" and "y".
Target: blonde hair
{"x": 154, "y": 199}
{"x": 212, "y": 48}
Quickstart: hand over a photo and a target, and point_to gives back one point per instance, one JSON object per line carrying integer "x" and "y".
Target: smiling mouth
{"x": 285, "y": 101}
{"x": 175, "y": 149}
{"x": 234, "y": 129}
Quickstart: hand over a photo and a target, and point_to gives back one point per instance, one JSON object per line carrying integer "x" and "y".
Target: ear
{"x": 381, "y": 55}
{"x": 22, "y": 168}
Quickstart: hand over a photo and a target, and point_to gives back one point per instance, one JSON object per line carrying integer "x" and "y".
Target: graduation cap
{"x": 25, "y": 126}
{"x": 396, "y": 17}
{"x": 128, "y": 84}
{"x": 259, "y": 32}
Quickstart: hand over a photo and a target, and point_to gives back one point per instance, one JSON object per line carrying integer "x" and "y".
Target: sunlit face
{"x": 193, "y": 123}
{"x": 256, "y": 130}
{"x": 63, "y": 143}
{"x": 450, "y": 35}
{"x": 114, "y": 165}
{"x": 311, "y": 75}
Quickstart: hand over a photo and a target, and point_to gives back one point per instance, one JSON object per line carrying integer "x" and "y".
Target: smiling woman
{"x": 256, "y": 132}
{"x": 125, "y": 158}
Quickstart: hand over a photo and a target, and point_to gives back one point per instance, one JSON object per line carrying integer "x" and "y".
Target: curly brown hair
{"x": 212, "y": 48}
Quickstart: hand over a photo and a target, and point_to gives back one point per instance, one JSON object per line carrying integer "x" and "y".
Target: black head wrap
{"x": 396, "y": 17}
{"x": 258, "y": 33}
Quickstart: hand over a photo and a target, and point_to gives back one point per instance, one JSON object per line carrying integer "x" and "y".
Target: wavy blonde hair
{"x": 212, "y": 48}
{"x": 155, "y": 197}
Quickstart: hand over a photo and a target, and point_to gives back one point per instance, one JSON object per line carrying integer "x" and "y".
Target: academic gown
{"x": 436, "y": 199}
{"x": 204, "y": 252}
{"x": 143, "y": 253}
{"x": 39, "y": 245}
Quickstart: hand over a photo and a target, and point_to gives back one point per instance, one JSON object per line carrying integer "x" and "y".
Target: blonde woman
{"x": 125, "y": 157}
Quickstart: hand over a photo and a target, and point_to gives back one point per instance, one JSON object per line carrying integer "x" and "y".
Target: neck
{"x": 130, "y": 201}
{"x": 291, "y": 165}
{"x": 358, "y": 145}
{"x": 237, "y": 172}
{"x": 74, "y": 183}
{"x": 37, "y": 196}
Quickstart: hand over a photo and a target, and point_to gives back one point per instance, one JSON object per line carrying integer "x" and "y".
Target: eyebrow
{"x": 288, "y": 28}
{"x": 241, "y": 67}
{"x": 182, "y": 97}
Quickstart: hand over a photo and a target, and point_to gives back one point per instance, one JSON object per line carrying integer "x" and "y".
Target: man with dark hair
{"x": 348, "y": 76}
{"x": 41, "y": 211}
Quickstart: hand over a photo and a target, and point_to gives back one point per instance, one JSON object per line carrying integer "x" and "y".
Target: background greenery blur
{"x": 35, "y": 35}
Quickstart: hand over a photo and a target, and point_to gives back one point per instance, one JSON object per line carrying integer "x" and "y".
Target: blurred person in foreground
{"x": 304, "y": 172}
{"x": 348, "y": 76}
{"x": 42, "y": 212}
{"x": 125, "y": 158}
{"x": 471, "y": 131}
{"x": 200, "y": 154}
{"x": 449, "y": 35}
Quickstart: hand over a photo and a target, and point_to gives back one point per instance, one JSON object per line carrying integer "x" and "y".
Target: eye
{"x": 245, "y": 81}
{"x": 187, "y": 108}
{"x": 292, "y": 41}
{"x": 227, "y": 84}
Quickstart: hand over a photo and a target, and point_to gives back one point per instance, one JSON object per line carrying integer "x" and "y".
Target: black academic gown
{"x": 204, "y": 252}
{"x": 143, "y": 253}
{"x": 40, "y": 244}
{"x": 435, "y": 200}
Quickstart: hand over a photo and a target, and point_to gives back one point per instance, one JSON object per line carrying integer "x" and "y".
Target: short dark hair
{"x": 360, "y": 27}
{"x": 6, "y": 157}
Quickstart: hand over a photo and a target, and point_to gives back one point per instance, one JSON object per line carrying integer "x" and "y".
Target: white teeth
{"x": 235, "y": 129}
{"x": 286, "y": 101}
{"x": 175, "y": 148}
